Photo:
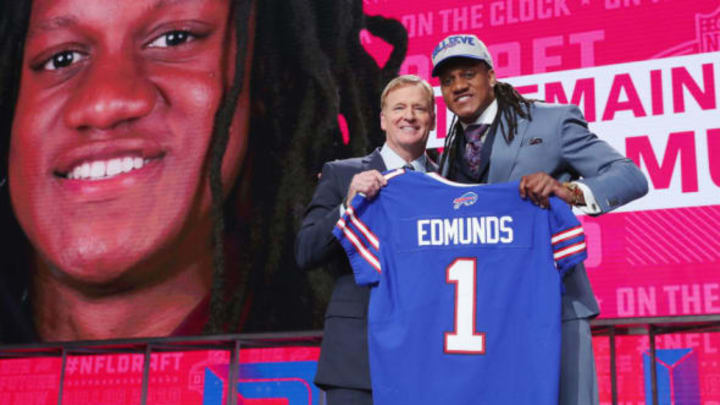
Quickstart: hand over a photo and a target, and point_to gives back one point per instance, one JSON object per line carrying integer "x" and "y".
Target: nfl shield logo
{"x": 708, "y": 31}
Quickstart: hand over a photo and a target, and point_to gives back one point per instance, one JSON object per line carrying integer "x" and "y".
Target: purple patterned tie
{"x": 473, "y": 148}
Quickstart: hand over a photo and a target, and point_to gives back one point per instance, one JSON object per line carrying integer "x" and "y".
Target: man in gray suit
{"x": 407, "y": 117}
{"x": 500, "y": 136}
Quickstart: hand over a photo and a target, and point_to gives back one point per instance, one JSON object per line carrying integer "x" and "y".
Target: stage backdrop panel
{"x": 267, "y": 376}
{"x": 688, "y": 369}
{"x": 646, "y": 75}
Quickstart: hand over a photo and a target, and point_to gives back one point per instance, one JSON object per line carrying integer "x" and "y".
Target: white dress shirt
{"x": 393, "y": 161}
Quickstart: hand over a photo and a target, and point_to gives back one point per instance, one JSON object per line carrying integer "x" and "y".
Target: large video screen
{"x": 157, "y": 157}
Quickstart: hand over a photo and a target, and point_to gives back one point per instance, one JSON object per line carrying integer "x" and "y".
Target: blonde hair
{"x": 408, "y": 80}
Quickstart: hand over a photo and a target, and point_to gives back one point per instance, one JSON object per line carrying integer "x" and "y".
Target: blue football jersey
{"x": 466, "y": 290}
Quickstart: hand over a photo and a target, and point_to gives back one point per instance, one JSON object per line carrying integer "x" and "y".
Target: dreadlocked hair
{"x": 308, "y": 67}
{"x": 511, "y": 105}
{"x": 218, "y": 144}
{"x": 14, "y": 325}
{"x": 13, "y": 24}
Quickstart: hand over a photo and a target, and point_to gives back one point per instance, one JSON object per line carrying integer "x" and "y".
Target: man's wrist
{"x": 577, "y": 196}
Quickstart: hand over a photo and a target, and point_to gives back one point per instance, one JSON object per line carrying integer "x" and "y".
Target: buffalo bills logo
{"x": 467, "y": 199}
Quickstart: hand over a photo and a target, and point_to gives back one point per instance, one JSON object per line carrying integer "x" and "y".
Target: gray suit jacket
{"x": 557, "y": 141}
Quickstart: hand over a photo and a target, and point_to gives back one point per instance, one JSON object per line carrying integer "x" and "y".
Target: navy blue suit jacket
{"x": 344, "y": 355}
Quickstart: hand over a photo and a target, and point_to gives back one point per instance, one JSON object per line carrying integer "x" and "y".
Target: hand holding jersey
{"x": 549, "y": 148}
{"x": 446, "y": 276}
{"x": 538, "y": 187}
{"x": 407, "y": 116}
{"x": 367, "y": 183}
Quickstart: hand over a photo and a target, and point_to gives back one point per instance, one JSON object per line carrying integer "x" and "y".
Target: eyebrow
{"x": 52, "y": 24}
{"x": 66, "y": 21}
{"x": 165, "y": 3}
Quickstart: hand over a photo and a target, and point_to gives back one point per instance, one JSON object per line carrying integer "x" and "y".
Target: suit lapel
{"x": 487, "y": 149}
{"x": 430, "y": 166}
{"x": 374, "y": 161}
{"x": 505, "y": 153}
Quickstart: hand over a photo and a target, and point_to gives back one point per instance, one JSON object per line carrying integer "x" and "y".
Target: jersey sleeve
{"x": 361, "y": 244}
{"x": 567, "y": 236}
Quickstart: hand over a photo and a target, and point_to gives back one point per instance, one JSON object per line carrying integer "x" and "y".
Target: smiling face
{"x": 109, "y": 148}
{"x": 467, "y": 87}
{"x": 407, "y": 117}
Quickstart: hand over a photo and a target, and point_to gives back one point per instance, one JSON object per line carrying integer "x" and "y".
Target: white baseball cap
{"x": 460, "y": 46}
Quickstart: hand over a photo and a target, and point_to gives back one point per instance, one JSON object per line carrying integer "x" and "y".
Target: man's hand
{"x": 539, "y": 186}
{"x": 367, "y": 182}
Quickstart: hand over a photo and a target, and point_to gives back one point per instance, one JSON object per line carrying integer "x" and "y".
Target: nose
{"x": 409, "y": 114}
{"x": 459, "y": 85}
{"x": 113, "y": 91}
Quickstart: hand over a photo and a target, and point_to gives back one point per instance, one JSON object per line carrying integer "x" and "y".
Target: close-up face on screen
{"x": 109, "y": 148}
{"x": 133, "y": 179}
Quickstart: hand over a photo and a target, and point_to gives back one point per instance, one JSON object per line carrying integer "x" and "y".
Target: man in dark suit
{"x": 407, "y": 117}
{"x": 501, "y": 136}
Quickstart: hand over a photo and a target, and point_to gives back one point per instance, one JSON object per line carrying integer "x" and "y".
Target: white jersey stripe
{"x": 364, "y": 252}
{"x": 363, "y": 228}
{"x": 569, "y": 250}
{"x": 394, "y": 173}
{"x": 570, "y": 233}
{"x": 441, "y": 179}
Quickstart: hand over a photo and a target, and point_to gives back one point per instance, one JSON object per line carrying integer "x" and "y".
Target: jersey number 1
{"x": 463, "y": 273}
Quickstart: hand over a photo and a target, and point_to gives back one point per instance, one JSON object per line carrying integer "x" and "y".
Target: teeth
{"x": 97, "y": 170}
{"x": 105, "y": 169}
{"x": 114, "y": 167}
{"x": 127, "y": 164}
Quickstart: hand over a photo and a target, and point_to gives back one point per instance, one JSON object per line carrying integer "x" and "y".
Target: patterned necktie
{"x": 408, "y": 166}
{"x": 473, "y": 148}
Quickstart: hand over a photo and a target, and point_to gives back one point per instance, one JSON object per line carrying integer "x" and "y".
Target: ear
{"x": 382, "y": 121}
{"x": 491, "y": 77}
{"x": 434, "y": 121}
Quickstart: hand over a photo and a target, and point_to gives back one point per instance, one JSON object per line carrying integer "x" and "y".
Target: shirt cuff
{"x": 591, "y": 206}
{"x": 342, "y": 209}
